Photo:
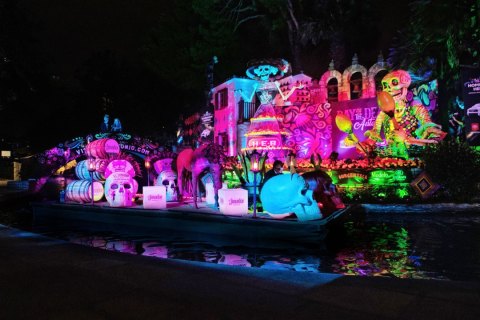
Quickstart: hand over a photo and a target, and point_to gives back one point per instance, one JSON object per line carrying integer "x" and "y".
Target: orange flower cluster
{"x": 379, "y": 163}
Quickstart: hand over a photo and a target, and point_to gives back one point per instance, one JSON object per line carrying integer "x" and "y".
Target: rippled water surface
{"x": 417, "y": 245}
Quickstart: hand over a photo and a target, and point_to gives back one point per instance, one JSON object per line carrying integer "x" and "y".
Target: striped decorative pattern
{"x": 81, "y": 191}
{"x": 81, "y": 170}
{"x": 101, "y": 148}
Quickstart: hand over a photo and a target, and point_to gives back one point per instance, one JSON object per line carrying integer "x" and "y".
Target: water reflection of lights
{"x": 387, "y": 253}
{"x": 153, "y": 249}
{"x": 376, "y": 250}
{"x": 234, "y": 260}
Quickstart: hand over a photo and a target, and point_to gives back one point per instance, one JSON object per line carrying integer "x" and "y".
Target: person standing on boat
{"x": 116, "y": 126}
{"x": 276, "y": 170}
{"x": 105, "y": 127}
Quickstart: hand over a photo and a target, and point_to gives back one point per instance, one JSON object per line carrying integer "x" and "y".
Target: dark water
{"x": 424, "y": 246}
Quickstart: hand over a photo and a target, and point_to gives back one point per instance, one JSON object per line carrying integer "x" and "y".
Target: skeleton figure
{"x": 266, "y": 89}
{"x": 414, "y": 120}
{"x": 287, "y": 193}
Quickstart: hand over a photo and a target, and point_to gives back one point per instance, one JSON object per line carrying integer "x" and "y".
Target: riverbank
{"x": 44, "y": 278}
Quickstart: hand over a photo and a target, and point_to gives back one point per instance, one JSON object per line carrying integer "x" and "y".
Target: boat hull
{"x": 241, "y": 229}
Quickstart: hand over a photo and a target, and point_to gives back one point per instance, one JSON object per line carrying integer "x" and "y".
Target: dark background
{"x": 64, "y": 64}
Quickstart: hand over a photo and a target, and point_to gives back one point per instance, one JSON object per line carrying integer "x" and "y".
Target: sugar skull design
{"x": 119, "y": 189}
{"x": 168, "y": 178}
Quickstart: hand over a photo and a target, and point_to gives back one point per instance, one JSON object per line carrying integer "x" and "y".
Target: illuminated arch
{"x": 380, "y": 66}
{"x": 326, "y": 77}
{"x": 344, "y": 91}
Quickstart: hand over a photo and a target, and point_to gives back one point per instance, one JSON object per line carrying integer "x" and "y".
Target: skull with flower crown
{"x": 396, "y": 83}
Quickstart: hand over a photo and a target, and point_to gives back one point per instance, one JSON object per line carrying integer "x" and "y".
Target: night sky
{"x": 73, "y": 39}
{"x": 71, "y": 31}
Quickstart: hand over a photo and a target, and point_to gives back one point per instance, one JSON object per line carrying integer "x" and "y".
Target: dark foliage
{"x": 456, "y": 166}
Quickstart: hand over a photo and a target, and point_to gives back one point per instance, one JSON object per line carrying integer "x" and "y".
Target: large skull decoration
{"x": 163, "y": 164}
{"x": 287, "y": 193}
{"x": 168, "y": 178}
{"x": 119, "y": 165}
{"x": 264, "y": 71}
{"x": 119, "y": 189}
{"x": 396, "y": 83}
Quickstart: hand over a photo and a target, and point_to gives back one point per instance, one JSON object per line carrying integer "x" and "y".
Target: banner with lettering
{"x": 362, "y": 113}
{"x": 371, "y": 177}
{"x": 471, "y": 99}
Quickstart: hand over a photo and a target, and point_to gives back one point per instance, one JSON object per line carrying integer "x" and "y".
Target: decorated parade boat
{"x": 263, "y": 124}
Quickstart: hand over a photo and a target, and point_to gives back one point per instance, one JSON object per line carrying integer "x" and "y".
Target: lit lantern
{"x": 255, "y": 168}
{"x": 255, "y": 161}
{"x": 147, "y": 166}
{"x": 92, "y": 167}
{"x": 292, "y": 162}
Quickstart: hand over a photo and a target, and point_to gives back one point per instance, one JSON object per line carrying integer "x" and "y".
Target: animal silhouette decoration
{"x": 208, "y": 157}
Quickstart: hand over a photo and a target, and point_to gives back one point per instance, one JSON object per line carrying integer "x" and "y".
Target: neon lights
{"x": 265, "y": 133}
{"x": 263, "y": 119}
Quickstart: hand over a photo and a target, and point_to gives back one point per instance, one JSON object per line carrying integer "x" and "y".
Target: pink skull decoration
{"x": 396, "y": 83}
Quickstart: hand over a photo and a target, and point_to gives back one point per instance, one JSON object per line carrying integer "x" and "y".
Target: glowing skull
{"x": 163, "y": 164}
{"x": 264, "y": 71}
{"x": 396, "y": 83}
{"x": 287, "y": 193}
{"x": 119, "y": 189}
{"x": 168, "y": 178}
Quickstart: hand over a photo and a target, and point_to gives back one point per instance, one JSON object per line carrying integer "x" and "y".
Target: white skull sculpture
{"x": 168, "y": 178}
{"x": 119, "y": 189}
{"x": 163, "y": 164}
{"x": 287, "y": 193}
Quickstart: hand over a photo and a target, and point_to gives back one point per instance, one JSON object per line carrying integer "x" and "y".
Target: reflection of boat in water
{"x": 185, "y": 219}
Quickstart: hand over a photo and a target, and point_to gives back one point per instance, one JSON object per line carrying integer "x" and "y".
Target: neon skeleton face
{"x": 265, "y": 71}
{"x": 396, "y": 83}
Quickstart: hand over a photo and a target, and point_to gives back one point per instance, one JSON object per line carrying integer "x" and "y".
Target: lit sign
{"x": 233, "y": 201}
{"x": 154, "y": 197}
{"x": 264, "y": 142}
{"x": 349, "y": 175}
{"x": 210, "y": 192}
{"x": 387, "y": 176}
{"x": 6, "y": 154}
{"x": 112, "y": 147}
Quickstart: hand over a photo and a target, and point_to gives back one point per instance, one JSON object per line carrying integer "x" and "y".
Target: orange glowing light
{"x": 343, "y": 123}
{"x": 385, "y": 102}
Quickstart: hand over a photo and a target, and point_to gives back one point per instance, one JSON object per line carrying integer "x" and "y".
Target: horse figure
{"x": 206, "y": 158}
